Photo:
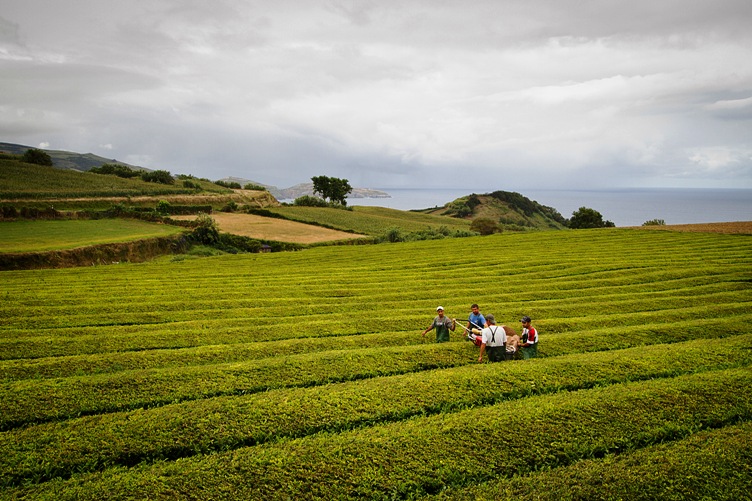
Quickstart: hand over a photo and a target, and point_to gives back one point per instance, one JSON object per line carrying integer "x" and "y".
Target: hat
{"x": 525, "y": 319}
{"x": 490, "y": 319}
{"x": 439, "y": 308}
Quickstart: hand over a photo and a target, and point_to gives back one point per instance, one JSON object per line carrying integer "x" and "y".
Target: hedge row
{"x": 172, "y": 308}
{"x": 59, "y": 449}
{"x": 425, "y": 455}
{"x": 714, "y": 464}
{"x": 113, "y": 350}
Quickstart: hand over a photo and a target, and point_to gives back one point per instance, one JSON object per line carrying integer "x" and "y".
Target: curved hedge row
{"x": 217, "y": 424}
{"x": 303, "y": 374}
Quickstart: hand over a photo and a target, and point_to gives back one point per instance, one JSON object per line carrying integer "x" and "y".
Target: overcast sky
{"x": 483, "y": 95}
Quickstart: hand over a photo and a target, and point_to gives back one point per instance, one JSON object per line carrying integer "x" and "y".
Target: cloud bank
{"x": 500, "y": 95}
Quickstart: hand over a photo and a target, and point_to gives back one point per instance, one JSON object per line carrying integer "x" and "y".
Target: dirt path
{"x": 279, "y": 230}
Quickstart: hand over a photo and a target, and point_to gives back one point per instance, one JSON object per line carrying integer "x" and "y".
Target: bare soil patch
{"x": 278, "y": 230}
{"x": 740, "y": 227}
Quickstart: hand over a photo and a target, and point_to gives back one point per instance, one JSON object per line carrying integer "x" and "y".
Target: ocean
{"x": 624, "y": 207}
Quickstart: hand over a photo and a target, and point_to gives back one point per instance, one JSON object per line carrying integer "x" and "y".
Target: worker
{"x": 529, "y": 346}
{"x": 475, "y": 320}
{"x": 493, "y": 341}
{"x": 442, "y": 325}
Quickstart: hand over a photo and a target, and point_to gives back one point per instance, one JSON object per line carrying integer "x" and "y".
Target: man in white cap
{"x": 442, "y": 325}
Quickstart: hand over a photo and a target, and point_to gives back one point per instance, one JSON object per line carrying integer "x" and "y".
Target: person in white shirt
{"x": 493, "y": 341}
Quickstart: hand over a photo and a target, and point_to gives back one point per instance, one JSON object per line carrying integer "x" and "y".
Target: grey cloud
{"x": 397, "y": 92}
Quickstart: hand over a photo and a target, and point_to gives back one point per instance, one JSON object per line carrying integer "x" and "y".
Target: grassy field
{"x": 36, "y": 186}
{"x": 304, "y": 375}
{"x": 39, "y": 236}
{"x": 371, "y": 220}
{"x": 280, "y": 230}
{"x": 21, "y": 180}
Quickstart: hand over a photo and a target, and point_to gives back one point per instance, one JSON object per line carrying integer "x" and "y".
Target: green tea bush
{"x": 303, "y": 375}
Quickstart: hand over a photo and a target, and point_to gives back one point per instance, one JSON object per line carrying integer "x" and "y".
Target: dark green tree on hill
{"x": 158, "y": 176}
{"x": 115, "y": 170}
{"x": 585, "y": 217}
{"x": 333, "y": 188}
{"x": 37, "y": 157}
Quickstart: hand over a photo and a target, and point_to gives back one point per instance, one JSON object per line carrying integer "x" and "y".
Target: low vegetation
{"x": 509, "y": 211}
{"x": 304, "y": 375}
{"x": 374, "y": 221}
{"x": 36, "y": 236}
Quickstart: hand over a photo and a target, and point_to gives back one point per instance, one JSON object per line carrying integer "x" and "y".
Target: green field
{"x": 20, "y": 180}
{"x": 40, "y": 236}
{"x": 303, "y": 375}
{"x": 371, "y": 220}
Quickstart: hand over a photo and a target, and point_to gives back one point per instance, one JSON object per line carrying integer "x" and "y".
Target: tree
{"x": 484, "y": 226}
{"x": 158, "y": 176}
{"x": 206, "y": 231}
{"x": 37, "y": 157}
{"x": 585, "y": 217}
{"x": 333, "y": 188}
{"x": 115, "y": 170}
{"x": 655, "y": 222}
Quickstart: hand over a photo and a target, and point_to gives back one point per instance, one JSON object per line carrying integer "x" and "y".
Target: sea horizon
{"x": 622, "y": 206}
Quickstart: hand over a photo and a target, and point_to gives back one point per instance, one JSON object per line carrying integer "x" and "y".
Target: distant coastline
{"x": 625, "y": 207}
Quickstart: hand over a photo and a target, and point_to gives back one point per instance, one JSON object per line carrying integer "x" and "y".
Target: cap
{"x": 439, "y": 308}
{"x": 490, "y": 319}
{"x": 525, "y": 319}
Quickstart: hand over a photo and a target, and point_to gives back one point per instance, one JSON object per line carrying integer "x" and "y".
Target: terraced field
{"x": 304, "y": 375}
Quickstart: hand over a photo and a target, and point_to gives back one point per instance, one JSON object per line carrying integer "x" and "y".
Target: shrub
{"x": 230, "y": 206}
{"x": 37, "y": 157}
{"x": 655, "y": 222}
{"x": 394, "y": 235}
{"x": 233, "y": 185}
{"x": 8, "y": 212}
{"x": 163, "y": 207}
{"x": 158, "y": 176}
{"x": 585, "y": 217}
{"x": 207, "y": 231}
{"x": 484, "y": 226}
{"x": 251, "y": 186}
{"x": 310, "y": 201}
{"x": 115, "y": 170}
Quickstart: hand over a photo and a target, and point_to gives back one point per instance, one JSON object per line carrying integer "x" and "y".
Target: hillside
{"x": 510, "y": 209}
{"x": 67, "y": 159}
{"x": 302, "y": 189}
{"x": 37, "y": 186}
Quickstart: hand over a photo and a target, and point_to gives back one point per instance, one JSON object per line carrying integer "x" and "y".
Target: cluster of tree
{"x": 585, "y": 217}
{"x": 485, "y": 226}
{"x": 119, "y": 170}
{"x": 655, "y": 222}
{"x": 397, "y": 235}
{"x": 116, "y": 170}
{"x": 332, "y": 188}
{"x": 463, "y": 207}
{"x": 233, "y": 185}
{"x": 37, "y": 157}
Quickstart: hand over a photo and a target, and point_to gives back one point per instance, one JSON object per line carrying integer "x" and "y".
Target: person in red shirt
{"x": 529, "y": 339}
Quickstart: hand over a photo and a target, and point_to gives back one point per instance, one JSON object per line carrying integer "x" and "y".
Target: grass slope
{"x": 371, "y": 220}
{"x": 20, "y": 180}
{"x": 37, "y": 236}
{"x": 510, "y": 210}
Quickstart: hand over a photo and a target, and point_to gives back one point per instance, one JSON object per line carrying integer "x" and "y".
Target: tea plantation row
{"x": 304, "y": 375}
